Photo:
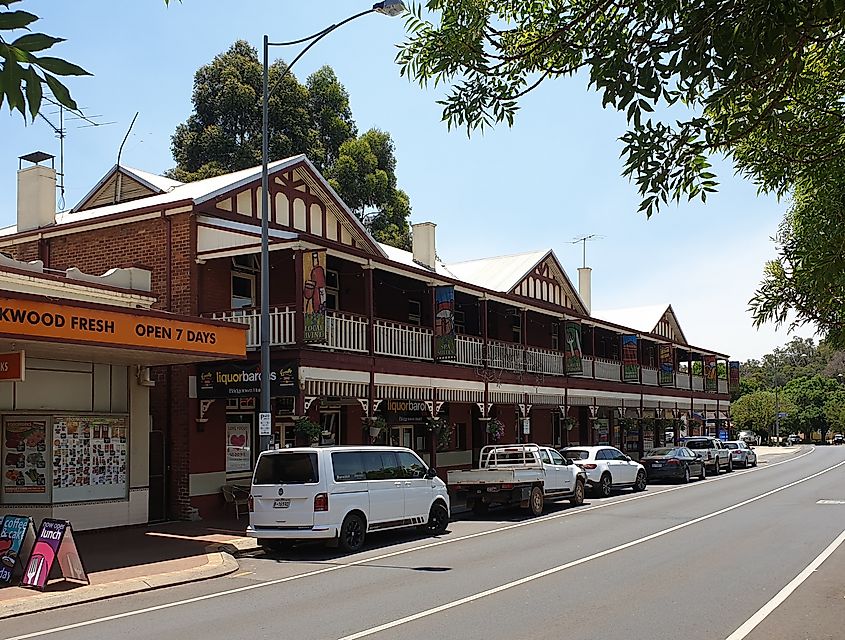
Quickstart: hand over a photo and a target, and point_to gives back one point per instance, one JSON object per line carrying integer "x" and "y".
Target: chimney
{"x": 585, "y": 277}
{"x": 422, "y": 241}
{"x": 36, "y": 192}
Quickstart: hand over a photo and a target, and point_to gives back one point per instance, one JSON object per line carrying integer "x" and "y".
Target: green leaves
{"x": 36, "y": 42}
{"x": 16, "y": 20}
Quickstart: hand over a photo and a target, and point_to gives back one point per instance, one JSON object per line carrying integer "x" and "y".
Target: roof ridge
{"x": 509, "y": 255}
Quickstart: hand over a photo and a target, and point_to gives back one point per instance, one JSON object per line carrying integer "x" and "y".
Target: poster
{"x": 238, "y": 456}
{"x": 17, "y": 536}
{"x": 602, "y": 427}
{"x": 55, "y": 541}
{"x": 733, "y": 374}
{"x": 667, "y": 365}
{"x": 314, "y": 296}
{"x": 630, "y": 359}
{"x": 572, "y": 349}
{"x": 25, "y": 457}
{"x": 90, "y": 456}
{"x": 445, "y": 345}
{"x": 710, "y": 383}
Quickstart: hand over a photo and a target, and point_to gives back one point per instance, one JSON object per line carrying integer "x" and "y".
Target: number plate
{"x": 281, "y": 503}
{"x": 657, "y": 464}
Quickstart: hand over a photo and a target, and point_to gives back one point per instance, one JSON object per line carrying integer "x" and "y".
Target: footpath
{"x": 129, "y": 560}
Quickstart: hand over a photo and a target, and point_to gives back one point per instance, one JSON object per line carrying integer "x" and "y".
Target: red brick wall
{"x": 26, "y": 252}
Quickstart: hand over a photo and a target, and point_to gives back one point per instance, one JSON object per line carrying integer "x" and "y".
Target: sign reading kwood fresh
{"x": 100, "y": 326}
{"x": 12, "y": 366}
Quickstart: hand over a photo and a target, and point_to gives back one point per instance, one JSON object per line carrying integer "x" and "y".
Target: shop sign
{"x": 97, "y": 326}
{"x": 710, "y": 383}
{"x": 237, "y": 446}
{"x": 445, "y": 340}
{"x": 17, "y": 537}
{"x": 733, "y": 374}
{"x": 630, "y": 359}
{"x": 572, "y": 348}
{"x": 55, "y": 543}
{"x": 667, "y": 365}
{"x": 244, "y": 379}
{"x": 12, "y": 366}
{"x": 406, "y": 411}
{"x": 314, "y": 298}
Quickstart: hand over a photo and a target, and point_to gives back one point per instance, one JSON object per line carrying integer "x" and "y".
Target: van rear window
{"x": 287, "y": 468}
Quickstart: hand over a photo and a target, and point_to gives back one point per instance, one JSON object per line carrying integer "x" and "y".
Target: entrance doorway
{"x": 402, "y": 436}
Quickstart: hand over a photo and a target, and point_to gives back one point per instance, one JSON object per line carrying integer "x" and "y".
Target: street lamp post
{"x": 388, "y": 8}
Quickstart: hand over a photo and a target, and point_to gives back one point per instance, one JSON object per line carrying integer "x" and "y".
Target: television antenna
{"x": 584, "y": 240}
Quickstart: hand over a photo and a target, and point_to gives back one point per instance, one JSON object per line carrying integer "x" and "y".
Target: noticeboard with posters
{"x": 25, "y": 460}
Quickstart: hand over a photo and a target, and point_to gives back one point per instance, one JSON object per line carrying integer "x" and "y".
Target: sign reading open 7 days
{"x": 71, "y": 323}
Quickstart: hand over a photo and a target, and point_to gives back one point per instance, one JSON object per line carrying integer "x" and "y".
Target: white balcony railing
{"x": 723, "y": 386}
{"x": 503, "y": 355}
{"x": 470, "y": 351}
{"x": 346, "y": 332}
{"x": 608, "y": 370}
{"x": 281, "y": 324}
{"x": 698, "y": 383}
{"x": 649, "y": 376}
{"x": 402, "y": 340}
{"x": 682, "y": 380}
{"x": 544, "y": 361}
{"x": 587, "y": 366}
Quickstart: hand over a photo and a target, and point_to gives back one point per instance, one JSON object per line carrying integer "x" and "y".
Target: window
{"x": 414, "y": 312}
{"x": 555, "y": 337}
{"x": 577, "y": 454}
{"x": 381, "y": 465}
{"x": 461, "y": 436}
{"x": 544, "y": 456}
{"x": 287, "y": 468}
{"x": 248, "y": 262}
{"x": 557, "y": 458}
{"x": 615, "y": 454}
{"x": 243, "y": 290}
{"x": 516, "y": 326}
{"x": 332, "y": 290}
{"x": 557, "y": 429}
{"x": 348, "y": 466}
{"x": 412, "y": 466}
{"x": 460, "y": 322}
{"x": 329, "y": 427}
{"x": 603, "y": 454}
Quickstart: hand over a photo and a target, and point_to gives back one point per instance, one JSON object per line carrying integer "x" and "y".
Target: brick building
{"x": 369, "y": 342}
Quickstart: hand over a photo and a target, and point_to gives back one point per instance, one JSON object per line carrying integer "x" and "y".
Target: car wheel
{"x": 754, "y": 464}
{"x": 703, "y": 474}
{"x": 717, "y": 469}
{"x": 730, "y": 464}
{"x": 685, "y": 479}
{"x": 438, "y": 519}
{"x": 535, "y": 501}
{"x": 577, "y": 498}
{"x": 605, "y": 485}
{"x": 641, "y": 482}
{"x": 352, "y": 533}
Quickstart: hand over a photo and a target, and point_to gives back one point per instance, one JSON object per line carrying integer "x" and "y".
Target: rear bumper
{"x": 664, "y": 472}
{"x": 319, "y": 532}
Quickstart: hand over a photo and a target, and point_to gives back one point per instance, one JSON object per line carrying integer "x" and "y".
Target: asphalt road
{"x": 679, "y": 561}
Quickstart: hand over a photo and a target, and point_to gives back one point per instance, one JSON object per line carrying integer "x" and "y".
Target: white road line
{"x": 749, "y": 625}
{"x": 575, "y": 563}
{"x": 392, "y": 554}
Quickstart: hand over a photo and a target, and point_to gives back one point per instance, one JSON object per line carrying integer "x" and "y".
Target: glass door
{"x": 402, "y": 436}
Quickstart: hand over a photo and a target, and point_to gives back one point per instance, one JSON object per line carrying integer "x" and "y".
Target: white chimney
{"x": 36, "y": 195}
{"x": 422, "y": 241}
{"x": 585, "y": 277}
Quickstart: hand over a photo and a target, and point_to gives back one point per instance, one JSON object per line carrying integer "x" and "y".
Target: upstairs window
{"x": 332, "y": 290}
{"x": 243, "y": 290}
{"x": 460, "y": 322}
{"x": 414, "y": 312}
{"x": 516, "y": 327}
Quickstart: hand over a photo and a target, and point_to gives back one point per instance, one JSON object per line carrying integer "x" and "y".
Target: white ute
{"x": 524, "y": 474}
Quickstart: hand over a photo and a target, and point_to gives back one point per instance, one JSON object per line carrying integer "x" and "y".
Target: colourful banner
{"x": 710, "y": 381}
{"x": 17, "y": 535}
{"x": 667, "y": 365}
{"x": 445, "y": 341}
{"x": 733, "y": 374}
{"x": 314, "y": 296}
{"x": 572, "y": 349}
{"x": 630, "y": 359}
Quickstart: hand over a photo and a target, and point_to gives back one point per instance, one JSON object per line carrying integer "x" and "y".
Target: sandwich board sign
{"x": 54, "y": 545}
{"x": 17, "y": 537}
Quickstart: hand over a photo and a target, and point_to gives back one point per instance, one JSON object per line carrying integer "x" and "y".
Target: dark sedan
{"x": 673, "y": 463}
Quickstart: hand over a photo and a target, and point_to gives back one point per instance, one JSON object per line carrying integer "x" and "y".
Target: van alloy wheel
{"x": 438, "y": 519}
{"x": 352, "y": 533}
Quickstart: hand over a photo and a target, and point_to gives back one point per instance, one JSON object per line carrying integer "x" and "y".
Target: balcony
{"x": 281, "y": 324}
{"x": 470, "y": 351}
{"x": 504, "y": 355}
{"x": 402, "y": 340}
{"x": 544, "y": 361}
{"x": 723, "y": 386}
{"x": 346, "y": 332}
{"x": 608, "y": 370}
{"x": 649, "y": 376}
{"x": 682, "y": 380}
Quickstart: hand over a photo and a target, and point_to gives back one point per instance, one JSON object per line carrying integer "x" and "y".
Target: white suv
{"x": 607, "y": 467}
{"x": 338, "y": 494}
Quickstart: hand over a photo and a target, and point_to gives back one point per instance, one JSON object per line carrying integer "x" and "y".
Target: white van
{"x": 338, "y": 494}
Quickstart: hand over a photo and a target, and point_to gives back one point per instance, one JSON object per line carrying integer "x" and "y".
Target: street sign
{"x": 783, "y": 414}
{"x": 526, "y": 426}
{"x": 264, "y": 424}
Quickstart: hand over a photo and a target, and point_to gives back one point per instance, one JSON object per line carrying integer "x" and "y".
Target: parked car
{"x": 607, "y": 467}
{"x": 838, "y": 439}
{"x": 749, "y": 437}
{"x": 674, "y": 463}
{"x": 716, "y": 457}
{"x": 793, "y": 439}
{"x": 742, "y": 454}
{"x": 339, "y": 494}
{"x": 519, "y": 474}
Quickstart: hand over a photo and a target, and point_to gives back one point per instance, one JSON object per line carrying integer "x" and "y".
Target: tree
{"x": 22, "y": 73}
{"x": 223, "y": 134}
{"x": 809, "y": 396}
{"x": 756, "y": 81}
{"x": 757, "y": 410}
{"x": 834, "y": 410}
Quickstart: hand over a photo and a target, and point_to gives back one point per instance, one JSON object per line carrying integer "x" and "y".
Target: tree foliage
{"x": 810, "y": 396}
{"x": 757, "y": 410}
{"x": 757, "y": 81}
{"x": 223, "y": 134}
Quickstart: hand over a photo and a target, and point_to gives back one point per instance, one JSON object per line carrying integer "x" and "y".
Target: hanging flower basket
{"x": 495, "y": 429}
{"x": 567, "y": 423}
{"x": 442, "y": 432}
{"x": 308, "y": 429}
{"x": 376, "y": 426}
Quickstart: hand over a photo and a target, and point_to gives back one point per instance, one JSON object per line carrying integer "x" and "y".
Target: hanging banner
{"x": 667, "y": 365}
{"x": 445, "y": 341}
{"x": 314, "y": 296}
{"x": 630, "y": 359}
{"x": 710, "y": 382}
{"x": 572, "y": 349}
{"x": 733, "y": 374}
{"x": 17, "y": 537}
{"x": 55, "y": 543}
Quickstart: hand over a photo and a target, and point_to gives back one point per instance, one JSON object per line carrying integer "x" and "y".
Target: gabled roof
{"x": 644, "y": 319}
{"x": 153, "y": 184}
{"x": 501, "y": 273}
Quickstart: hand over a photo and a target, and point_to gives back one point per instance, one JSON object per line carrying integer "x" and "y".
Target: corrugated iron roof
{"x": 499, "y": 273}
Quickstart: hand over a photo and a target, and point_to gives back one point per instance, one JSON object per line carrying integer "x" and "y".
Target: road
{"x": 677, "y": 561}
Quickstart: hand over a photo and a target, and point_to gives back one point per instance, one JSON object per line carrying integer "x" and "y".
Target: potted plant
{"x": 377, "y": 425}
{"x": 567, "y": 423}
{"x": 308, "y": 429}
{"x": 442, "y": 432}
{"x": 495, "y": 429}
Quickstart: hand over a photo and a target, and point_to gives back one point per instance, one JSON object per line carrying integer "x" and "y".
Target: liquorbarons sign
{"x": 406, "y": 411}
{"x": 231, "y": 380}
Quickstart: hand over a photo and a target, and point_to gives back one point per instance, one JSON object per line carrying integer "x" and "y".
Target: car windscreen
{"x": 665, "y": 451}
{"x": 575, "y": 454}
{"x": 287, "y": 468}
{"x": 732, "y": 445}
{"x": 698, "y": 444}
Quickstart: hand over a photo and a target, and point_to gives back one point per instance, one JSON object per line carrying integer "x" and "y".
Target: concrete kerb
{"x": 220, "y": 563}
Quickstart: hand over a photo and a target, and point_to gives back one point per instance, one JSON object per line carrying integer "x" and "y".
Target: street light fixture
{"x": 389, "y": 8}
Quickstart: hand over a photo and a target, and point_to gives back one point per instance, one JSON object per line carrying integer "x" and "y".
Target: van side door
{"x": 418, "y": 488}
{"x": 385, "y": 489}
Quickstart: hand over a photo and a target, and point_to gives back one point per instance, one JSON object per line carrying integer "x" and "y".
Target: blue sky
{"x": 555, "y": 175}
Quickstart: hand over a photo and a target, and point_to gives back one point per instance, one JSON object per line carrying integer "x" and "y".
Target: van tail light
{"x": 589, "y": 465}
{"x": 251, "y": 503}
{"x": 321, "y": 502}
